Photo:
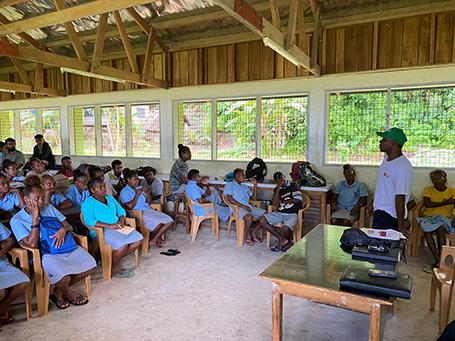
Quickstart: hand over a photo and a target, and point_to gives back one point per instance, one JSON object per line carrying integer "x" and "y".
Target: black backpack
{"x": 356, "y": 237}
{"x": 309, "y": 177}
{"x": 256, "y": 169}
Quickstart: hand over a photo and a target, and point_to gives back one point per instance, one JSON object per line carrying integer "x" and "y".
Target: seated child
{"x": 439, "y": 203}
{"x": 10, "y": 170}
{"x": 67, "y": 167}
{"x": 197, "y": 190}
{"x": 154, "y": 184}
{"x": 38, "y": 167}
{"x": 10, "y": 198}
{"x": 102, "y": 210}
{"x": 51, "y": 196}
{"x": 347, "y": 199}
{"x": 135, "y": 197}
{"x": 78, "y": 192}
{"x": 13, "y": 282}
{"x": 115, "y": 176}
{"x": 286, "y": 202}
{"x": 239, "y": 194}
{"x": 63, "y": 269}
{"x": 97, "y": 172}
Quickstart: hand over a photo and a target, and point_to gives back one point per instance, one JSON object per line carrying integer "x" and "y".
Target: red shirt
{"x": 66, "y": 172}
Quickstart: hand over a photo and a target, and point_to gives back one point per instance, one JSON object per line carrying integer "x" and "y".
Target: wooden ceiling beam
{"x": 99, "y": 43}
{"x": 82, "y": 67}
{"x": 148, "y": 55}
{"x": 145, "y": 27}
{"x": 17, "y": 87}
{"x": 292, "y": 23}
{"x": 24, "y": 36}
{"x": 69, "y": 14}
{"x": 77, "y": 45}
{"x": 20, "y": 69}
{"x": 4, "y": 3}
{"x": 276, "y": 19}
{"x": 126, "y": 43}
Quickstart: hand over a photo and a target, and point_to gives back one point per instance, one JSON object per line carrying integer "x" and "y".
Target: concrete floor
{"x": 211, "y": 292}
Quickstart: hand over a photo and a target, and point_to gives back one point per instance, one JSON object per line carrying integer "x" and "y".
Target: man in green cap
{"x": 394, "y": 183}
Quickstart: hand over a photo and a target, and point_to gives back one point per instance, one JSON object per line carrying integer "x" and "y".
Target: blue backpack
{"x": 48, "y": 226}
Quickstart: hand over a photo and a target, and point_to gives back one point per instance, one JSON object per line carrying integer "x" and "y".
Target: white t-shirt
{"x": 394, "y": 178}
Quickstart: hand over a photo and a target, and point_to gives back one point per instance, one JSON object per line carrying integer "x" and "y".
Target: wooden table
{"x": 319, "y": 193}
{"x": 311, "y": 269}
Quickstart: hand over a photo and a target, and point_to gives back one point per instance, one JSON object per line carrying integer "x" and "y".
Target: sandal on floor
{"x": 249, "y": 242}
{"x": 80, "y": 300}
{"x": 6, "y": 318}
{"x": 124, "y": 273}
{"x": 175, "y": 251}
{"x": 276, "y": 248}
{"x": 429, "y": 268}
{"x": 287, "y": 246}
{"x": 61, "y": 304}
{"x": 168, "y": 253}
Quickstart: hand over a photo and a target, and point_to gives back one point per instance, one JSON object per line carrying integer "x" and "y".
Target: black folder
{"x": 359, "y": 280}
{"x": 362, "y": 252}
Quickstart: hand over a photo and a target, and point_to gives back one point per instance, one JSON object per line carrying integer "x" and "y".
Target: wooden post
{"x": 374, "y": 62}
{"x": 375, "y": 323}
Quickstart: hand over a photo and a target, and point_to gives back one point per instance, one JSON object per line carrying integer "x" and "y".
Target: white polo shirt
{"x": 394, "y": 178}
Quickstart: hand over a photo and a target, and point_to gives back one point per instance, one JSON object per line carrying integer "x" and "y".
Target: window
{"x": 51, "y": 129}
{"x": 6, "y": 124}
{"x": 84, "y": 131}
{"x": 28, "y": 119}
{"x": 236, "y": 129}
{"x": 427, "y": 116}
{"x": 145, "y": 120}
{"x": 194, "y": 128}
{"x": 113, "y": 137}
{"x": 354, "y": 119}
{"x": 283, "y": 128}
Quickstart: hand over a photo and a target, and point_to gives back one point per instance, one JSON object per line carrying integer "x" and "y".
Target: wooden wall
{"x": 407, "y": 42}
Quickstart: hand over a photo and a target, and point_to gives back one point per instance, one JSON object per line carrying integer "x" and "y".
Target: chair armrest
{"x": 269, "y": 208}
{"x": 137, "y": 214}
{"x": 256, "y": 203}
{"x": 131, "y": 221}
{"x": 157, "y": 207}
{"x": 81, "y": 240}
{"x": 38, "y": 269}
{"x": 20, "y": 254}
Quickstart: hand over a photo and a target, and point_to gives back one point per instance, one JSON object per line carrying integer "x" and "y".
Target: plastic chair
{"x": 298, "y": 231}
{"x": 138, "y": 216}
{"x": 106, "y": 249}
{"x": 41, "y": 280}
{"x": 417, "y": 237}
{"x": 197, "y": 220}
{"x": 443, "y": 280}
{"x": 19, "y": 255}
{"x": 358, "y": 223}
{"x": 239, "y": 223}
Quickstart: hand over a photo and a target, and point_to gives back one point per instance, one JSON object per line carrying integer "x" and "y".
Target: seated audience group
{"x": 30, "y": 204}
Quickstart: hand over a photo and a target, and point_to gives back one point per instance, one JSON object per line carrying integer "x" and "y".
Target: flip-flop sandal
{"x": 80, "y": 300}
{"x": 287, "y": 246}
{"x": 168, "y": 253}
{"x": 249, "y": 242}
{"x": 60, "y": 304}
{"x": 125, "y": 273}
{"x": 428, "y": 269}
{"x": 176, "y": 251}
{"x": 6, "y": 318}
{"x": 276, "y": 248}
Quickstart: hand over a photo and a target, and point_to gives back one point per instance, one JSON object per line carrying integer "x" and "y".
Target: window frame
{"x": 388, "y": 90}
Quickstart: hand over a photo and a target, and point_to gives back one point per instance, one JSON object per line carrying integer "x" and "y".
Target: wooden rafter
{"x": 126, "y": 43}
{"x": 271, "y": 36}
{"x": 39, "y": 56}
{"x": 69, "y": 14}
{"x": 292, "y": 23}
{"x": 4, "y": 3}
{"x": 99, "y": 43}
{"x": 276, "y": 20}
{"x": 316, "y": 10}
{"x": 24, "y": 36}
{"x": 16, "y": 87}
{"x": 148, "y": 55}
{"x": 301, "y": 25}
{"x": 77, "y": 45}
{"x": 20, "y": 69}
{"x": 39, "y": 76}
{"x": 145, "y": 27}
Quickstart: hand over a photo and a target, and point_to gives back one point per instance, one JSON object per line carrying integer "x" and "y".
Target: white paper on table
{"x": 384, "y": 234}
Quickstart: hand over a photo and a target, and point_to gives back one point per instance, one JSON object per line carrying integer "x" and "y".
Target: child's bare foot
{"x": 154, "y": 242}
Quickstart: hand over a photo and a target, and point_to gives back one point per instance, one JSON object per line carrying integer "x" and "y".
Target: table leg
{"x": 375, "y": 323}
{"x": 323, "y": 207}
{"x": 277, "y": 313}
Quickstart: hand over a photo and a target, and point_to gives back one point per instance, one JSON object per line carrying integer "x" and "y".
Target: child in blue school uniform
{"x": 10, "y": 198}
{"x": 51, "y": 196}
{"x": 239, "y": 194}
{"x": 13, "y": 282}
{"x": 102, "y": 210}
{"x": 10, "y": 170}
{"x": 78, "y": 192}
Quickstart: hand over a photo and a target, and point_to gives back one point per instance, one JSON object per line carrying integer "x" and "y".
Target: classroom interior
{"x": 130, "y": 80}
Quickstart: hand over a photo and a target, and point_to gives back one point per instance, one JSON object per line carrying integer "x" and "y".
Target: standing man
{"x": 43, "y": 151}
{"x": 13, "y": 154}
{"x": 394, "y": 183}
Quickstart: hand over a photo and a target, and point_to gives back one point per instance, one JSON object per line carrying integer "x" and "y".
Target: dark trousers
{"x": 383, "y": 221}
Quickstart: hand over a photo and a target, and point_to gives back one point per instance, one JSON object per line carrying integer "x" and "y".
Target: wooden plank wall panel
{"x": 241, "y": 62}
{"x": 444, "y": 37}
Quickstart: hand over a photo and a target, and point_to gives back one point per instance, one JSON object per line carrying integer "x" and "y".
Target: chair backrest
{"x": 447, "y": 259}
{"x": 189, "y": 203}
{"x": 306, "y": 201}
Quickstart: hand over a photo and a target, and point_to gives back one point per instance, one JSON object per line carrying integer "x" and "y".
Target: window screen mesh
{"x": 145, "y": 133}
{"x": 283, "y": 129}
{"x": 84, "y": 130}
{"x": 28, "y": 130}
{"x": 194, "y": 128}
{"x": 236, "y": 129}
{"x": 113, "y": 138}
{"x": 6, "y": 124}
{"x": 51, "y": 129}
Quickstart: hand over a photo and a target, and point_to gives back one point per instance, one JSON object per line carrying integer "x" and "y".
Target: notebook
{"x": 359, "y": 279}
{"x": 126, "y": 229}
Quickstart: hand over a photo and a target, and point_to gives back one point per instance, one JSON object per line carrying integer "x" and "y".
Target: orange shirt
{"x": 437, "y": 196}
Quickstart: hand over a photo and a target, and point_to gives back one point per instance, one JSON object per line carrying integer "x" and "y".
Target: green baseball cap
{"x": 395, "y": 134}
